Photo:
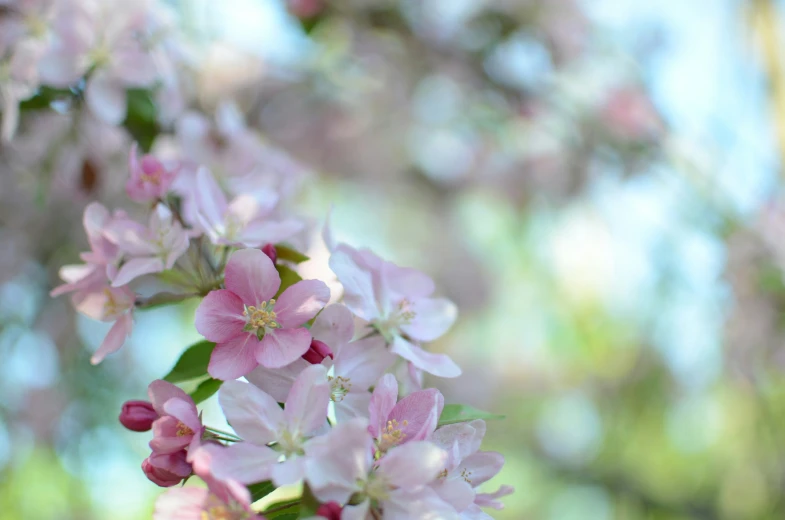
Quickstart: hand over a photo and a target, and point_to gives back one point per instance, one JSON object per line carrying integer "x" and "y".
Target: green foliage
{"x": 140, "y": 121}
{"x": 206, "y": 389}
{"x": 308, "y": 503}
{"x": 192, "y": 363}
{"x": 260, "y": 490}
{"x": 288, "y": 278}
{"x": 284, "y": 510}
{"x": 456, "y": 413}
{"x": 287, "y": 253}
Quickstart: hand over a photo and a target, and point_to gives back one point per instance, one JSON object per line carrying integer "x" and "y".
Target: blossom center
{"x": 339, "y": 387}
{"x": 401, "y": 315}
{"x": 377, "y": 488}
{"x": 183, "y": 430}
{"x": 465, "y": 474}
{"x": 392, "y": 434}
{"x": 262, "y": 317}
{"x": 288, "y": 443}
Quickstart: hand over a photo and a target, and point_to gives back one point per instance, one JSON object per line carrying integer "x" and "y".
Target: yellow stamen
{"x": 183, "y": 430}
{"x": 263, "y": 316}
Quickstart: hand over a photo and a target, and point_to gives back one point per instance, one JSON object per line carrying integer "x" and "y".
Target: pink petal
{"x": 282, "y": 347}
{"x": 334, "y": 326}
{"x": 165, "y": 436}
{"x": 160, "y": 391}
{"x": 270, "y": 231}
{"x": 466, "y": 437}
{"x": 186, "y": 503}
{"x": 358, "y": 512}
{"x": 489, "y": 499}
{"x": 219, "y": 316}
{"x": 412, "y": 464}
{"x": 234, "y": 358}
{"x": 277, "y": 382}
{"x": 251, "y": 275}
{"x": 306, "y": 405}
{"x": 407, "y": 282}
{"x": 106, "y": 98}
{"x": 419, "y": 504}
{"x": 455, "y": 491}
{"x": 437, "y": 364}
{"x": 300, "y": 302}
{"x": 363, "y": 361}
{"x": 483, "y": 466}
{"x": 209, "y": 200}
{"x": 383, "y": 400}
{"x": 432, "y": 318}
{"x": 288, "y": 472}
{"x": 135, "y": 268}
{"x": 115, "y": 338}
{"x": 185, "y": 411}
{"x": 357, "y": 284}
{"x": 254, "y": 415}
{"x": 353, "y": 404}
{"x": 336, "y": 461}
{"x": 421, "y": 411}
{"x": 245, "y": 462}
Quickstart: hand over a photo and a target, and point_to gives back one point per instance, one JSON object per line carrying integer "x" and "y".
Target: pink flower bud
{"x": 330, "y": 511}
{"x": 270, "y": 251}
{"x": 166, "y": 469}
{"x": 317, "y": 352}
{"x": 138, "y": 416}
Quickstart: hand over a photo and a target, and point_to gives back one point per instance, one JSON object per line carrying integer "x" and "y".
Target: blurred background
{"x": 596, "y": 183}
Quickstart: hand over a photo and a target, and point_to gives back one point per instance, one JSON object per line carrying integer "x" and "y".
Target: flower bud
{"x": 150, "y": 178}
{"x": 330, "y": 511}
{"x": 166, "y": 469}
{"x": 317, "y": 352}
{"x": 138, "y": 416}
{"x": 269, "y": 250}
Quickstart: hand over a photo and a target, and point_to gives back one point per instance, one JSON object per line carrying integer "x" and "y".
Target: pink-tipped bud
{"x": 270, "y": 251}
{"x": 167, "y": 469}
{"x": 330, "y": 511}
{"x": 317, "y": 352}
{"x": 138, "y": 416}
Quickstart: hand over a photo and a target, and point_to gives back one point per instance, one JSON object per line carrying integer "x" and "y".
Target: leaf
{"x": 288, "y": 278}
{"x": 284, "y": 510}
{"x": 205, "y": 389}
{"x": 260, "y": 490}
{"x": 140, "y": 120}
{"x": 192, "y": 363}
{"x": 161, "y": 299}
{"x": 456, "y": 413}
{"x": 290, "y": 254}
{"x": 308, "y": 502}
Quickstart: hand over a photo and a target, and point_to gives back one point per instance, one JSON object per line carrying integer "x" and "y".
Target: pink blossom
{"x": 466, "y": 468}
{"x": 394, "y": 422}
{"x": 257, "y": 418}
{"x": 150, "y": 178}
{"x": 341, "y": 463}
{"x": 109, "y": 304}
{"x": 396, "y": 301}
{"x": 357, "y": 365}
{"x": 179, "y": 426}
{"x": 147, "y": 250}
{"x": 224, "y": 499}
{"x": 248, "y": 220}
{"x": 166, "y": 469}
{"x": 138, "y": 416}
{"x": 249, "y": 326}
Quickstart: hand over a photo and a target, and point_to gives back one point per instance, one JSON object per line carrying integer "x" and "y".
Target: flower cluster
{"x": 306, "y": 379}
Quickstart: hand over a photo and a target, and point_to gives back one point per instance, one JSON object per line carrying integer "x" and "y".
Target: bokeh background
{"x": 596, "y": 183}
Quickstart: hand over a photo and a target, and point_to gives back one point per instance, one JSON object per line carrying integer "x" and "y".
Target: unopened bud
{"x": 138, "y": 416}
{"x": 270, "y": 251}
{"x": 317, "y": 352}
{"x": 166, "y": 469}
{"x": 330, "y": 511}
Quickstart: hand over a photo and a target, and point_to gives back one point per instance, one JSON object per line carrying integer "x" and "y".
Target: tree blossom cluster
{"x": 320, "y": 391}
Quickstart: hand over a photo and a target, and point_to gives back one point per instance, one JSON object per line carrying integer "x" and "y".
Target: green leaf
{"x": 284, "y": 510}
{"x": 260, "y": 490}
{"x": 192, "y": 363}
{"x": 161, "y": 299}
{"x": 456, "y": 413}
{"x": 205, "y": 389}
{"x": 140, "y": 120}
{"x": 289, "y": 254}
{"x": 308, "y": 502}
{"x": 288, "y": 278}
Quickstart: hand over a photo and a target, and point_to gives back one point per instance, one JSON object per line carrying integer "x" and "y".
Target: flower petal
{"x": 186, "y": 503}
{"x": 160, "y": 391}
{"x": 184, "y": 410}
{"x": 245, "y": 462}
{"x": 432, "y": 318}
{"x": 383, "y": 400}
{"x": 353, "y": 404}
{"x": 334, "y": 326}
{"x": 288, "y": 472}
{"x": 234, "y": 358}
{"x": 253, "y": 414}
{"x": 336, "y": 461}
{"x": 282, "y": 347}
{"x": 219, "y": 316}
{"x": 106, "y": 98}
{"x": 413, "y": 464}
{"x": 357, "y": 284}
{"x": 115, "y": 338}
{"x": 300, "y": 302}
{"x": 437, "y": 364}
{"x": 363, "y": 361}
{"x": 421, "y": 411}
{"x": 306, "y": 405}
{"x": 251, "y": 275}
{"x": 136, "y": 267}
{"x": 483, "y": 466}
